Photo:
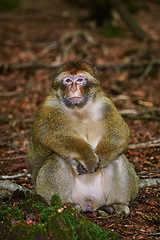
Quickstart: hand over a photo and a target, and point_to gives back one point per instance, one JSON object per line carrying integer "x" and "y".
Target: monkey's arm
{"x": 52, "y": 133}
{"x": 115, "y": 138}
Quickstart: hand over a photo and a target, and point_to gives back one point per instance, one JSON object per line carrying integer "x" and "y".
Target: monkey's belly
{"x": 90, "y": 190}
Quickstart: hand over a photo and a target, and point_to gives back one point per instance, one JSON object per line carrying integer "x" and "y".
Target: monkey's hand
{"x": 80, "y": 169}
{"x": 108, "y": 150}
{"x": 89, "y": 164}
{"x": 78, "y": 152}
{"x": 71, "y": 148}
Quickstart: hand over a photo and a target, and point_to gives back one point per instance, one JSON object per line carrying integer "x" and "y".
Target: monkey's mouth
{"x": 75, "y": 101}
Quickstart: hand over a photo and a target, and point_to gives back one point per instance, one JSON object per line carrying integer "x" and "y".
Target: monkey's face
{"x": 76, "y": 83}
{"x": 77, "y": 89}
{"x": 74, "y": 86}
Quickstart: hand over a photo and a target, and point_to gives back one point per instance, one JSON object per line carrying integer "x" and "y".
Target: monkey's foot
{"x": 117, "y": 207}
{"x": 73, "y": 205}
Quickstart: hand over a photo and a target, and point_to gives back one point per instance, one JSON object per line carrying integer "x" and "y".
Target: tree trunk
{"x": 130, "y": 21}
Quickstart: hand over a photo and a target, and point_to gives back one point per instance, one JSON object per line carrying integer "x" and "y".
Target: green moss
{"x": 9, "y": 212}
{"x": 54, "y": 223}
{"x": 155, "y": 219}
{"x": 55, "y": 201}
{"x": 71, "y": 225}
{"x": 110, "y": 31}
{"x": 38, "y": 205}
{"x": 28, "y": 232}
{"x": 46, "y": 213}
{"x": 33, "y": 202}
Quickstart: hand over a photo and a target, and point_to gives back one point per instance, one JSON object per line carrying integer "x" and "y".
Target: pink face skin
{"x": 71, "y": 79}
{"x": 75, "y": 84}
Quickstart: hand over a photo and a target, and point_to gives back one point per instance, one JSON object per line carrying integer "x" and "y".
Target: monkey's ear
{"x": 95, "y": 70}
{"x": 57, "y": 72}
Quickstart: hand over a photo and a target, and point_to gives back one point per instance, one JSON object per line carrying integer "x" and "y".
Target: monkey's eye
{"x": 81, "y": 81}
{"x": 67, "y": 81}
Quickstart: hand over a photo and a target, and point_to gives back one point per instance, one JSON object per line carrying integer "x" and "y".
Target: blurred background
{"x": 120, "y": 37}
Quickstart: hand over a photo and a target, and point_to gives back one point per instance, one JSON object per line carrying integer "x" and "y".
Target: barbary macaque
{"x": 78, "y": 143}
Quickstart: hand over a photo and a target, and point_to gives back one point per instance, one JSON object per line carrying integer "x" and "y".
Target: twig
{"x": 69, "y": 40}
{"x": 154, "y": 234}
{"x": 15, "y": 147}
{"x": 129, "y": 64}
{"x": 15, "y": 176}
{"x": 151, "y": 114}
{"x": 147, "y": 70}
{"x": 10, "y": 94}
{"x": 13, "y": 158}
{"x": 45, "y": 44}
{"x": 148, "y": 232}
{"x": 11, "y": 187}
{"x": 134, "y": 112}
{"x": 31, "y": 64}
{"x": 149, "y": 182}
{"x": 14, "y": 135}
{"x": 149, "y": 144}
{"x": 144, "y": 231}
{"x": 44, "y": 51}
{"x": 150, "y": 174}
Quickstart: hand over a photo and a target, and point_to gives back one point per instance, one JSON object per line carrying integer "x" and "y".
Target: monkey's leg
{"x": 55, "y": 177}
{"x": 124, "y": 186}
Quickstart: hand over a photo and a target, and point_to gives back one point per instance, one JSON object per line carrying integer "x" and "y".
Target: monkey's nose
{"x": 74, "y": 87}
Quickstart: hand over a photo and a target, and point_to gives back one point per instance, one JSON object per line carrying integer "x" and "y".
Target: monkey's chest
{"x": 91, "y": 133}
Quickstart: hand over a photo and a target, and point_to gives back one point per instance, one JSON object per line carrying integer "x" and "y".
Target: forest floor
{"x": 37, "y": 33}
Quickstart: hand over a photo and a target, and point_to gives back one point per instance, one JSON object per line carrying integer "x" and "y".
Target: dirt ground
{"x": 37, "y": 33}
